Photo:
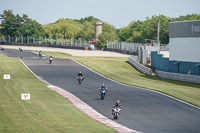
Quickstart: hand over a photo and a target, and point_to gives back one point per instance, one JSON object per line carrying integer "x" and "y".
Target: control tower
{"x": 98, "y": 29}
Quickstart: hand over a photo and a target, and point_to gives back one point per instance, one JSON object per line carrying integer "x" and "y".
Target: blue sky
{"x": 115, "y": 12}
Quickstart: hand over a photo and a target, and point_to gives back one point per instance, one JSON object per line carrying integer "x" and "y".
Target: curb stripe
{"x": 91, "y": 112}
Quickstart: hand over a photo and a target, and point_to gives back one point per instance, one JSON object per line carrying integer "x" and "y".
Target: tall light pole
{"x": 8, "y": 39}
{"x": 28, "y": 39}
{"x": 158, "y": 31}
{"x": 158, "y": 34}
{"x": 15, "y": 39}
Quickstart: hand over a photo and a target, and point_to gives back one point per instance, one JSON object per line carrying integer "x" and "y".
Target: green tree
{"x": 87, "y": 30}
{"x": 64, "y": 28}
{"x": 15, "y": 25}
{"x": 108, "y": 34}
{"x": 11, "y": 24}
{"x": 136, "y": 37}
{"x": 87, "y": 19}
{"x": 124, "y": 33}
{"x": 31, "y": 27}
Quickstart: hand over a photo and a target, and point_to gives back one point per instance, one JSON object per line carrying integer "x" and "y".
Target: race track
{"x": 142, "y": 110}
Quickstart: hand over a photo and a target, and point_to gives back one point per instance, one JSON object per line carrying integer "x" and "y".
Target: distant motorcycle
{"x": 50, "y": 59}
{"x": 80, "y": 79}
{"x": 40, "y": 54}
{"x": 20, "y": 49}
{"x": 116, "y": 112}
{"x": 102, "y": 93}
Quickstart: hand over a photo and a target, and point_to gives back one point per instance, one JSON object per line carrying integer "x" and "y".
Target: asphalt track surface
{"x": 142, "y": 110}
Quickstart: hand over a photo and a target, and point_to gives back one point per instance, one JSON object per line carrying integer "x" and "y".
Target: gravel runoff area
{"x": 73, "y": 52}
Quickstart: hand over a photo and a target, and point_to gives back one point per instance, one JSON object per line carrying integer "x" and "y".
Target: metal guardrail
{"x": 140, "y": 67}
{"x": 178, "y": 76}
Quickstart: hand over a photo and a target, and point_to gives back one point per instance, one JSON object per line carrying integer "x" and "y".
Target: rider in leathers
{"x": 102, "y": 87}
{"x": 116, "y": 105}
{"x": 80, "y": 75}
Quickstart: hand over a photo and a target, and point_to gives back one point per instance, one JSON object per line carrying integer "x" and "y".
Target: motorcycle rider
{"x": 50, "y": 59}
{"x": 80, "y": 75}
{"x": 20, "y": 49}
{"x": 40, "y": 54}
{"x": 103, "y": 87}
{"x": 116, "y": 105}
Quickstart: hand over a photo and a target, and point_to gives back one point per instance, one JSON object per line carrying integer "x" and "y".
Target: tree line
{"x": 136, "y": 31}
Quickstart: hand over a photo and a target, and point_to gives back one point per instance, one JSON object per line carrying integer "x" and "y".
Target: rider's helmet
{"x": 103, "y": 85}
{"x": 80, "y": 72}
{"x": 118, "y": 102}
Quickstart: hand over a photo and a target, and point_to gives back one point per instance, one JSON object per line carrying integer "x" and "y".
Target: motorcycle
{"x": 80, "y": 79}
{"x": 40, "y": 55}
{"x": 50, "y": 60}
{"x": 103, "y": 93}
{"x": 116, "y": 112}
{"x": 20, "y": 49}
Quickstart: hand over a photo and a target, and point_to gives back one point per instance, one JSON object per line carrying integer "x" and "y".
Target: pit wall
{"x": 162, "y": 74}
{"x": 160, "y": 63}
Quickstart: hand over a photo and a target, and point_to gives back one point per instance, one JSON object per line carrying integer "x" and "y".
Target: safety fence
{"x": 139, "y": 66}
{"x": 178, "y": 76}
{"x": 143, "y": 51}
{"x": 21, "y": 40}
{"x": 124, "y": 47}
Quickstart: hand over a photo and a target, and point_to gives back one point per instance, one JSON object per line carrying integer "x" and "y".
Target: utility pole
{"x": 158, "y": 35}
{"x": 158, "y": 31}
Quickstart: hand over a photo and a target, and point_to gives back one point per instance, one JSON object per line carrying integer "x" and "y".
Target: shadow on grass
{"x": 175, "y": 82}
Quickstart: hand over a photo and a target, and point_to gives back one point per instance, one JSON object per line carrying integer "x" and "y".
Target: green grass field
{"x": 46, "y": 112}
{"x": 118, "y": 69}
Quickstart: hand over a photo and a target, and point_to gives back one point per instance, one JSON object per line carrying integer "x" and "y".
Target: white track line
{"x": 138, "y": 87}
{"x": 86, "y": 108}
{"x": 34, "y": 73}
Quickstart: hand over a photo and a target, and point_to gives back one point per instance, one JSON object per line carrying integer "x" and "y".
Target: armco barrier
{"x": 140, "y": 67}
{"x": 178, "y": 76}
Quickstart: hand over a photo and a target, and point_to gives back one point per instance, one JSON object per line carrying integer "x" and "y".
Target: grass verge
{"x": 46, "y": 112}
{"x": 118, "y": 69}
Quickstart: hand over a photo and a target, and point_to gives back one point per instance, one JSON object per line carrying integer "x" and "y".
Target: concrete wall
{"x": 159, "y": 62}
{"x": 184, "y": 67}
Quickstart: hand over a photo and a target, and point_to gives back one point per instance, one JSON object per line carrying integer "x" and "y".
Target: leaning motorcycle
{"x": 103, "y": 93}
{"x": 116, "y": 112}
